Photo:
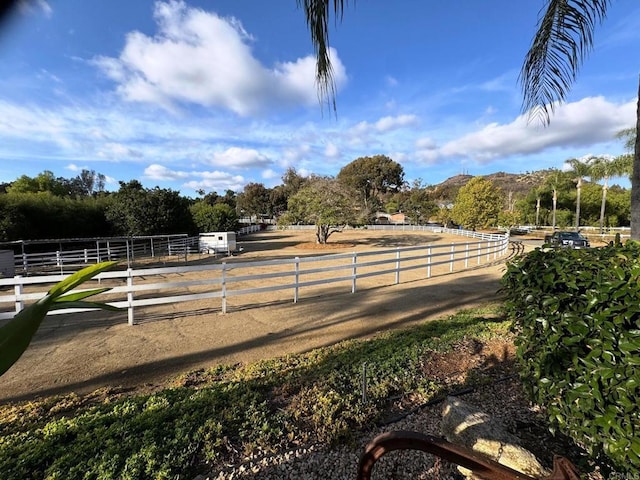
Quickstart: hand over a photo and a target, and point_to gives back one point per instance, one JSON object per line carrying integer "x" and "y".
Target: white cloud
{"x": 426, "y": 143}
{"x": 160, "y": 172}
{"x": 331, "y": 151}
{"x": 391, "y": 123}
{"x": 236, "y": 157}
{"x": 583, "y": 123}
{"x": 199, "y": 57}
{"x": 115, "y": 151}
{"x": 391, "y": 81}
{"x": 269, "y": 174}
{"x": 75, "y": 168}
{"x": 383, "y": 125}
{"x": 33, "y": 6}
{"x": 216, "y": 181}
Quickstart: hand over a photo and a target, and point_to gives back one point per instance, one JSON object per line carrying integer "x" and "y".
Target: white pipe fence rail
{"x": 148, "y": 287}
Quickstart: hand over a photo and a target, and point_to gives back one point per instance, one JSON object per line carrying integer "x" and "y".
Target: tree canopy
{"x": 325, "y": 203}
{"x": 372, "y": 177}
{"x": 478, "y": 204}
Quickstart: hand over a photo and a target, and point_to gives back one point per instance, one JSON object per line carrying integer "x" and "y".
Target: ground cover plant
{"x": 577, "y": 315}
{"x": 210, "y": 417}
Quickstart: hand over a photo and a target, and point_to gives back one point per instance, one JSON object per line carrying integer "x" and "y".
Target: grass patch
{"x": 215, "y": 416}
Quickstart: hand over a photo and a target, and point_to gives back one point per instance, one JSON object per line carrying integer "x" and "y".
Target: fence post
{"x": 488, "y": 251}
{"x": 130, "y": 295}
{"x": 453, "y": 250}
{"x": 86, "y": 256}
{"x": 18, "y": 292}
{"x": 429, "y": 261}
{"x": 224, "y": 287}
{"x": 296, "y": 261}
{"x": 58, "y": 260}
{"x": 354, "y": 272}
{"x": 398, "y": 263}
{"x": 495, "y": 250}
{"x": 466, "y": 257}
{"x": 25, "y": 262}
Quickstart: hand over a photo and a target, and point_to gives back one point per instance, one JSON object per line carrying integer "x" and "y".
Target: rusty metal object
{"x": 481, "y": 466}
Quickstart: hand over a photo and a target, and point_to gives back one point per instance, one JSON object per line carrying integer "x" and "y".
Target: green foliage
{"x": 214, "y": 218}
{"x": 372, "y": 177}
{"x": 44, "y": 215}
{"x": 255, "y": 200}
{"x": 16, "y": 335}
{"x": 577, "y": 316}
{"x": 230, "y": 411}
{"x": 478, "y": 204}
{"x": 135, "y": 210}
{"x": 325, "y": 203}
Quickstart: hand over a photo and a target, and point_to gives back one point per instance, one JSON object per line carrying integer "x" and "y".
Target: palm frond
{"x": 564, "y": 38}
{"x": 317, "y": 13}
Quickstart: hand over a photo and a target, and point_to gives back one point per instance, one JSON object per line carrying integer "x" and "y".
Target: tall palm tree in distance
{"x": 603, "y": 168}
{"x": 563, "y": 40}
{"x": 579, "y": 169}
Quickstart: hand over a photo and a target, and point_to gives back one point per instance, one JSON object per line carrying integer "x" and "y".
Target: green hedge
{"x": 577, "y": 316}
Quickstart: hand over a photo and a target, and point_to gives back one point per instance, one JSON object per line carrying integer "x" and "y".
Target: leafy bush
{"x": 577, "y": 317}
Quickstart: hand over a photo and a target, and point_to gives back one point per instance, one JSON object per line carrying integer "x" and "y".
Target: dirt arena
{"x": 84, "y": 352}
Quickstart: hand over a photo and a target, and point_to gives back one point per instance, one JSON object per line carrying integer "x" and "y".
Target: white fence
{"x": 148, "y": 287}
{"x": 129, "y": 249}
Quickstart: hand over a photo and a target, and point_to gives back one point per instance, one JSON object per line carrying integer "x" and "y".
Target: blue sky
{"x": 216, "y": 94}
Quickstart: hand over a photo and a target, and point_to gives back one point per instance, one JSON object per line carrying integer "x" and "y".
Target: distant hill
{"x": 518, "y": 183}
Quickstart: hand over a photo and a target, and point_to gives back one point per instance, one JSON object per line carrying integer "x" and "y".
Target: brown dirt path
{"x": 71, "y": 355}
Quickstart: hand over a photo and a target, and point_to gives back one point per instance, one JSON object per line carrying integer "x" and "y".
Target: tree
{"x": 214, "y": 218}
{"x": 603, "y": 168}
{"x": 325, "y": 203}
{"x": 555, "y": 181}
{"x": 135, "y": 210}
{"x": 372, "y": 177}
{"x": 478, "y": 204}
{"x": 579, "y": 169}
{"x": 562, "y": 41}
{"x": 418, "y": 206}
{"x": 255, "y": 200}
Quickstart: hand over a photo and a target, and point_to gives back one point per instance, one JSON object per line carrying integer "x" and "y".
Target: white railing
{"x": 149, "y": 287}
{"x": 65, "y": 261}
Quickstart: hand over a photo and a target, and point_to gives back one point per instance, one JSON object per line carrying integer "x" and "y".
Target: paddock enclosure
{"x": 85, "y": 351}
{"x": 359, "y": 260}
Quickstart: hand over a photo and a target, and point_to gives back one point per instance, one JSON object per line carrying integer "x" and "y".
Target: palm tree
{"x": 603, "y": 168}
{"x": 580, "y": 170}
{"x": 563, "y": 40}
{"x": 553, "y": 181}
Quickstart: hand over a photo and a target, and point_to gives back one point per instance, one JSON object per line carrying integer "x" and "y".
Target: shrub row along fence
{"x": 202, "y": 283}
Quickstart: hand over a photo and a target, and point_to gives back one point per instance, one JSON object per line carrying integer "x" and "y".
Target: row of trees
{"x": 44, "y": 206}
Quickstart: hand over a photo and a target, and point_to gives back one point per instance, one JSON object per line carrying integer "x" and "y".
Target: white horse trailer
{"x": 218, "y": 242}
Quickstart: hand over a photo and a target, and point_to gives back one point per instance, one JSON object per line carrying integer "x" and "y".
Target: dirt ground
{"x": 83, "y": 353}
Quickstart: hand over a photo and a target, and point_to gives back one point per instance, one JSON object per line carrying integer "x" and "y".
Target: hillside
{"x": 518, "y": 183}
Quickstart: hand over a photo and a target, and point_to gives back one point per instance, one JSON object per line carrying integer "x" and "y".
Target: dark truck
{"x": 567, "y": 240}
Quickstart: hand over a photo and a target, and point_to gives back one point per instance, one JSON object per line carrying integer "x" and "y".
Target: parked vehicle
{"x": 567, "y": 240}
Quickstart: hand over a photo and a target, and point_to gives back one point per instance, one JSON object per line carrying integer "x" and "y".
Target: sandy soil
{"x": 82, "y": 353}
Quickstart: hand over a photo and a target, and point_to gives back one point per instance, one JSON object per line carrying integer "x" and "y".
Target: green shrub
{"x": 577, "y": 318}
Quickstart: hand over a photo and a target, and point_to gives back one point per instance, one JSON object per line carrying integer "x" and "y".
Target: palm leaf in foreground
{"x": 16, "y": 335}
{"x": 563, "y": 39}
